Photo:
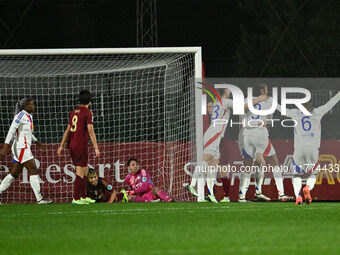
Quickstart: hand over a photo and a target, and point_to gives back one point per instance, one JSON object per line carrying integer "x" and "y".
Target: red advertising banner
{"x": 168, "y": 164}
{"x": 164, "y": 161}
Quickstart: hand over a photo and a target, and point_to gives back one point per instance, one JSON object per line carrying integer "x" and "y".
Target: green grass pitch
{"x": 174, "y": 228}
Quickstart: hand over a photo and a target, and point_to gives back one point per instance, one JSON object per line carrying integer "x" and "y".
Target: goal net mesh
{"x": 143, "y": 107}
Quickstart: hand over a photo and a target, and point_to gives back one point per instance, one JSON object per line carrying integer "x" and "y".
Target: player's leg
{"x": 274, "y": 162}
{"x": 191, "y": 187}
{"x": 138, "y": 199}
{"x": 312, "y": 156}
{"x": 298, "y": 163}
{"x": 14, "y": 174}
{"x": 80, "y": 161}
{"x": 210, "y": 164}
{"x": 259, "y": 177}
{"x": 15, "y": 171}
{"x": 223, "y": 176}
{"x": 34, "y": 181}
{"x": 79, "y": 191}
{"x": 157, "y": 192}
{"x": 247, "y": 153}
{"x": 244, "y": 179}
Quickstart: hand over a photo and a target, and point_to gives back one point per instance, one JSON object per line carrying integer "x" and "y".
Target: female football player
{"x": 21, "y": 132}
{"x": 141, "y": 188}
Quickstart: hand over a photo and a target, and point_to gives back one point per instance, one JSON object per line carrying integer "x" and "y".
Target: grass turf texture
{"x": 174, "y": 228}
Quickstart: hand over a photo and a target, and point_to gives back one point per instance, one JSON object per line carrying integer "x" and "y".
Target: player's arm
{"x": 9, "y": 137}
{"x": 108, "y": 188}
{"x": 63, "y": 141}
{"x": 93, "y": 139}
{"x": 329, "y": 105}
{"x": 289, "y": 112}
{"x": 255, "y": 101}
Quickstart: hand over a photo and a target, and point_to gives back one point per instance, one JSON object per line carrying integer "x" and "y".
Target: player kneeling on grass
{"x": 99, "y": 189}
{"x": 141, "y": 188}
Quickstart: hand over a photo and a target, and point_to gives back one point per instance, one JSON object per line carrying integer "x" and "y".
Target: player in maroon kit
{"x": 141, "y": 188}
{"x": 100, "y": 190}
{"x": 80, "y": 127}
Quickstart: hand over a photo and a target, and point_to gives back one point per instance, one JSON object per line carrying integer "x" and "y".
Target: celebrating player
{"x": 100, "y": 190}
{"x": 256, "y": 145}
{"x": 212, "y": 138}
{"x": 141, "y": 188}
{"x": 80, "y": 127}
{"x": 307, "y": 139}
{"x": 21, "y": 132}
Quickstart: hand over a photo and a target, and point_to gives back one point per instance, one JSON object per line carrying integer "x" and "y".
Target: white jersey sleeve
{"x": 289, "y": 112}
{"x": 322, "y": 110}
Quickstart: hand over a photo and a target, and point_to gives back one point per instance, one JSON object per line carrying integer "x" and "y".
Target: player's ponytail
{"x": 20, "y": 105}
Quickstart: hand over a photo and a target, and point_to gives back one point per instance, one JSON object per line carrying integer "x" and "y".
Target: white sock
{"x": 311, "y": 181}
{"x": 35, "y": 184}
{"x": 259, "y": 176}
{"x": 194, "y": 179}
{"x": 278, "y": 181}
{"x": 210, "y": 177}
{"x": 6, "y": 183}
{"x": 297, "y": 184}
{"x": 244, "y": 183}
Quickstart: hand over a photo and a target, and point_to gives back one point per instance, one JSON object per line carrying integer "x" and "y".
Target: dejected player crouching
{"x": 141, "y": 188}
{"x": 99, "y": 189}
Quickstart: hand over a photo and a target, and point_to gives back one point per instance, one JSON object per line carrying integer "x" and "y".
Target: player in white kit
{"x": 245, "y": 177}
{"x": 257, "y": 145}
{"x": 21, "y": 132}
{"x": 307, "y": 139}
{"x": 212, "y": 138}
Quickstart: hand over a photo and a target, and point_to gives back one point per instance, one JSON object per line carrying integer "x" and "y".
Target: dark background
{"x": 246, "y": 38}
{"x": 253, "y": 38}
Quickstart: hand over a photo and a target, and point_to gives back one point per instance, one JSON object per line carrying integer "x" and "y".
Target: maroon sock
{"x": 83, "y": 188}
{"x": 77, "y": 187}
{"x": 226, "y": 186}
{"x": 163, "y": 195}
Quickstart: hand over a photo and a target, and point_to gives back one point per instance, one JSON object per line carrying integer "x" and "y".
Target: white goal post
{"x": 147, "y": 105}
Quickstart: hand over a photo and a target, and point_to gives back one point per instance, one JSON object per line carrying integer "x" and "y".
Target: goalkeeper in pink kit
{"x": 141, "y": 188}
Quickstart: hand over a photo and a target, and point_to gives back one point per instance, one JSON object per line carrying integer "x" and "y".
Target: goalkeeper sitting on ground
{"x": 99, "y": 189}
{"x": 141, "y": 188}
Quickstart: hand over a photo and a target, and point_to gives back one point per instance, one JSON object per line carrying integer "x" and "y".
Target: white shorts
{"x": 21, "y": 155}
{"x": 254, "y": 145}
{"x": 305, "y": 160}
{"x": 240, "y": 143}
{"x": 211, "y": 142}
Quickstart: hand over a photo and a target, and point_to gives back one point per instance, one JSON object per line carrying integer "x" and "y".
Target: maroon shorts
{"x": 79, "y": 157}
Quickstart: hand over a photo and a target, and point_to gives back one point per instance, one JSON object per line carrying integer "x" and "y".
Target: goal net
{"x": 144, "y": 106}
